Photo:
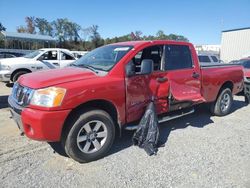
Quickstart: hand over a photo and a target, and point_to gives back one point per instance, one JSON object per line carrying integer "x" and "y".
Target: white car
{"x": 46, "y": 58}
{"x": 208, "y": 58}
{"x": 79, "y": 54}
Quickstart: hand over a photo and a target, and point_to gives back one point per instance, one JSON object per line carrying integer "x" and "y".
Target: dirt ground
{"x": 200, "y": 151}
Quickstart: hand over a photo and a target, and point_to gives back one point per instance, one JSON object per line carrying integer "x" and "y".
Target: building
{"x": 208, "y": 48}
{"x": 25, "y": 41}
{"x": 235, "y": 44}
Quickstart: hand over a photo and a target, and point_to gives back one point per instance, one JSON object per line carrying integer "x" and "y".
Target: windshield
{"x": 33, "y": 54}
{"x": 103, "y": 58}
{"x": 245, "y": 63}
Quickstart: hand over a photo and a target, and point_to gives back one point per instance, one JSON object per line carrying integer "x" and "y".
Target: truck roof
{"x": 143, "y": 42}
{"x": 63, "y": 49}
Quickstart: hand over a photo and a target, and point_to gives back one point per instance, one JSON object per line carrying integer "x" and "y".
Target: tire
{"x": 222, "y": 105}
{"x": 58, "y": 148}
{"x": 247, "y": 99}
{"x": 18, "y": 74}
{"x": 90, "y": 137}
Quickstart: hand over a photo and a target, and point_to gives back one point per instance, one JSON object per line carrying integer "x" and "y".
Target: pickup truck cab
{"x": 83, "y": 107}
{"x": 46, "y": 58}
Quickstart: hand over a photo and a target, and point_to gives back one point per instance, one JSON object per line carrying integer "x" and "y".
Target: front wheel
{"x": 18, "y": 74}
{"x": 90, "y": 137}
{"x": 247, "y": 99}
{"x": 222, "y": 106}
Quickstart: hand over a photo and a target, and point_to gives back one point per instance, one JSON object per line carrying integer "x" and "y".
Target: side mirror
{"x": 147, "y": 66}
{"x": 130, "y": 69}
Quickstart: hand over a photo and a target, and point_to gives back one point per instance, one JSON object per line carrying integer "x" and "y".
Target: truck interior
{"x": 154, "y": 53}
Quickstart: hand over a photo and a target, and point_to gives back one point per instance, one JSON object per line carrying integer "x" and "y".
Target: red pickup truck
{"x": 85, "y": 105}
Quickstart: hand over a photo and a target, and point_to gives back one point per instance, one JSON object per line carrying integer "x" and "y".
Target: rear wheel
{"x": 90, "y": 137}
{"x": 222, "y": 106}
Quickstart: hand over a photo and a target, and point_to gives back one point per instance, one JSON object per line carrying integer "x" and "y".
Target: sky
{"x": 200, "y": 21}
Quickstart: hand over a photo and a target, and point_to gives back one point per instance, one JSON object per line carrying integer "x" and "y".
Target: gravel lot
{"x": 200, "y": 151}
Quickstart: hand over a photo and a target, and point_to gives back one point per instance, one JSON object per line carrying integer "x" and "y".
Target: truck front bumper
{"x": 5, "y": 75}
{"x": 37, "y": 124}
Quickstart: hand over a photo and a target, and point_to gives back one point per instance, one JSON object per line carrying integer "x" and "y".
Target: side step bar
{"x": 164, "y": 119}
{"x": 168, "y": 118}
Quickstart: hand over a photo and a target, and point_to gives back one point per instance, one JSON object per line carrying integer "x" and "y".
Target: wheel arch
{"x": 227, "y": 84}
{"x": 214, "y": 107}
{"x": 101, "y": 104}
{"x": 17, "y": 70}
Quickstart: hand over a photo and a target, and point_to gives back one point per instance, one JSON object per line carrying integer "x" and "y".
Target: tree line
{"x": 72, "y": 36}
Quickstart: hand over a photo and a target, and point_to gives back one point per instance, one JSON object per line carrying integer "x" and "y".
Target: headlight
{"x": 246, "y": 79}
{"x": 5, "y": 67}
{"x": 48, "y": 97}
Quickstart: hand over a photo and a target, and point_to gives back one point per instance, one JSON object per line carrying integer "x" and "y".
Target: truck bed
{"x": 214, "y": 75}
{"x": 209, "y": 65}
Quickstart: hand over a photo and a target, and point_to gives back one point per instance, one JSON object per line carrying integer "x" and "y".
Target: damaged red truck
{"x": 85, "y": 105}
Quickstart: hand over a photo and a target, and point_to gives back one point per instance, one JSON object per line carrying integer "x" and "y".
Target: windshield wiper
{"x": 85, "y": 66}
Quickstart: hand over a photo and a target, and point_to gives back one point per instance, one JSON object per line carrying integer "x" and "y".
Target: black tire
{"x": 18, "y": 74}
{"x": 76, "y": 150}
{"x": 58, "y": 148}
{"x": 221, "y": 106}
{"x": 247, "y": 99}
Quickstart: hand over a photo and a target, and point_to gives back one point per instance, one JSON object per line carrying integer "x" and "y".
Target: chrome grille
{"x": 21, "y": 94}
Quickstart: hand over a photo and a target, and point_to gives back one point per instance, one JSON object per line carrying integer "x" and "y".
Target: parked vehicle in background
{"x": 246, "y": 64}
{"x": 208, "y": 58}
{"x": 10, "y": 55}
{"x": 79, "y": 54}
{"x": 12, "y": 68}
{"x": 234, "y": 61}
{"x": 83, "y": 107}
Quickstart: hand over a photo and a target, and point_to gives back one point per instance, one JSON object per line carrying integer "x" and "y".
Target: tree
{"x": 71, "y": 35}
{"x": 136, "y": 35}
{"x": 73, "y": 30}
{"x": 149, "y": 37}
{"x": 177, "y": 37}
{"x": 95, "y": 36}
{"x": 30, "y": 21}
{"x": 66, "y": 30}
{"x": 160, "y": 35}
{"x": 21, "y": 29}
{"x": 44, "y": 27}
{"x": 2, "y": 28}
{"x": 59, "y": 29}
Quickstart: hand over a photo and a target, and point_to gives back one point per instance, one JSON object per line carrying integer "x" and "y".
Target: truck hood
{"x": 15, "y": 60}
{"x": 53, "y": 77}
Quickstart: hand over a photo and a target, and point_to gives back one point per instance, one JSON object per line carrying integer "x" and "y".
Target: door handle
{"x": 195, "y": 75}
{"x": 57, "y": 64}
{"x": 161, "y": 79}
